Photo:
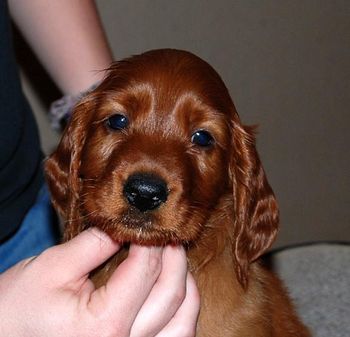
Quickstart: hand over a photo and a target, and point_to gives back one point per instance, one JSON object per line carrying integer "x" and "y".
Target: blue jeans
{"x": 38, "y": 231}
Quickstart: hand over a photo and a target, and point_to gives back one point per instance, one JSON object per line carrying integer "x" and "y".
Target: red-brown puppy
{"x": 157, "y": 154}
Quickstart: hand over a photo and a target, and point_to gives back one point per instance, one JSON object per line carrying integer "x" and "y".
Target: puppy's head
{"x": 148, "y": 155}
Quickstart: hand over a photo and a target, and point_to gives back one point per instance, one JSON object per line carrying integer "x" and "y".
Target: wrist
{"x": 61, "y": 110}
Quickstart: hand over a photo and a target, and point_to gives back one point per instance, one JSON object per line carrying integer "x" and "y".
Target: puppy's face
{"x": 155, "y": 160}
{"x": 149, "y": 154}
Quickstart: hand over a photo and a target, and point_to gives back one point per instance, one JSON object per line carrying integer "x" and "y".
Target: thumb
{"x": 79, "y": 256}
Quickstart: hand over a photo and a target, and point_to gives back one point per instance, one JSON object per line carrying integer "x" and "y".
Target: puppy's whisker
{"x": 89, "y": 179}
{"x": 82, "y": 217}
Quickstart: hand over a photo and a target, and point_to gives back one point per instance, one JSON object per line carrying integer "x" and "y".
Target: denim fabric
{"x": 38, "y": 231}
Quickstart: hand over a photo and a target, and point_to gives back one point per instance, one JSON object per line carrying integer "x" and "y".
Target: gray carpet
{"x": 318, "y": 279}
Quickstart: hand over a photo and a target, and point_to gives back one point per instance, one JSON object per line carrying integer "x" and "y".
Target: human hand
{"x": 150, "y": 294}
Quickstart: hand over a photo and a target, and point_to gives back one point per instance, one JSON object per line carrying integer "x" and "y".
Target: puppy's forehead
{"x": 167, "y": 77}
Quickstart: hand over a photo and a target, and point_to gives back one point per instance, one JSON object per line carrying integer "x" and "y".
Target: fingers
{"x": 184, "y": 321}
{"x": 166, "y": 296}
{"x": 149, "y": 292}
{"x": 77, "y": 257}
{"x": 131, "y": 284}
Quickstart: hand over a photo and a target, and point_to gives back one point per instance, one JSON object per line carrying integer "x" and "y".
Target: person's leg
{"x": 38, "y": 231}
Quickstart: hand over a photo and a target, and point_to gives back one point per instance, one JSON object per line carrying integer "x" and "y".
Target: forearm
{"x": 68, "y": 38}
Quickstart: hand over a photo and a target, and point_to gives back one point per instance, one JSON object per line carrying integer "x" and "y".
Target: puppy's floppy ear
{"x": 256, "y": 211}
{"x": 62, "y": 168}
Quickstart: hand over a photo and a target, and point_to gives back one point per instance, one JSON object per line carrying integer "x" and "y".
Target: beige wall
{"x": 287, "y": 65}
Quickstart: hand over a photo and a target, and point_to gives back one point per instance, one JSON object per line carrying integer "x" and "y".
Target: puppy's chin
{"x": 143, "y": 235}
{"x": 145, "y": 231}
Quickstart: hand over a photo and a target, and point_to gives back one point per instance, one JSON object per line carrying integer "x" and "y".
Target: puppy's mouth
{"x": 141, "y": 229}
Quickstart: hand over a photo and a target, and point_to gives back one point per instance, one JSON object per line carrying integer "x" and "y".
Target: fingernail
{"x": 100, "y": 234}
{"x": 145, "y": 251}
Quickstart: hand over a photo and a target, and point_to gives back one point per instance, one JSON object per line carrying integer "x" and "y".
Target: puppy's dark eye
{"x": 202, "y": 138}
{"x": 117, "y": 122}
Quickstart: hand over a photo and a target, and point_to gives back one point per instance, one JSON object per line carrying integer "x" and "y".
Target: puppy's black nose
{"x": 145, "y": 191}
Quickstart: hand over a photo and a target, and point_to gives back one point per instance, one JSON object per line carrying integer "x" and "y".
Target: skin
{"x": 67, "y": 37}
{"x": 150, "y": 294}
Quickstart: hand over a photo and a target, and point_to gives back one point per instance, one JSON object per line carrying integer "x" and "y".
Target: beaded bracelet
{"x": 61, "y": 109}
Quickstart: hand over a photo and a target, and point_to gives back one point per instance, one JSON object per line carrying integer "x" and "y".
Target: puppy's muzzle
{"x": 145, "y": 191}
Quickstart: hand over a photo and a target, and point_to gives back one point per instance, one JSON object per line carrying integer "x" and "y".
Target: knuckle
{"x": 178, "y": 296}
{"x": 154, "y": 264}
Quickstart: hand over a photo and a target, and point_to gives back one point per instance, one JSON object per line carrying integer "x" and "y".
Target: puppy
{"x": 157, "y": 154}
